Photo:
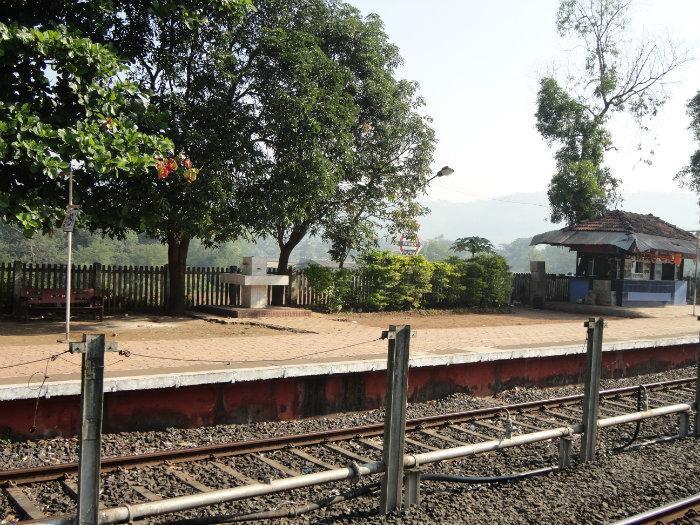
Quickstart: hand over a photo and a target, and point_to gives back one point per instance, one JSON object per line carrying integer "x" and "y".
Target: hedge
{"x": 398, "y": 282}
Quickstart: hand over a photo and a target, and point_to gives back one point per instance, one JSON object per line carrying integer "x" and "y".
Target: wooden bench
{"x": 53, "y": 299}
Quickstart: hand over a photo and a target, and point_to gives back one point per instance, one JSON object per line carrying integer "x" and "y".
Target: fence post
{"x": 96, "y": 278}
{"x": 591, "y": 394}
{"x": 92, "y": 349}
{"x": 16, "y": 285}
{"x": 166, "y": 286}
{"x": 395, "y": 417}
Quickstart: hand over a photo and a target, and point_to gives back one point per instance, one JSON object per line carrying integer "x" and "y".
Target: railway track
{"x": 681, "y": 512}
{"x": 36, "y": 493}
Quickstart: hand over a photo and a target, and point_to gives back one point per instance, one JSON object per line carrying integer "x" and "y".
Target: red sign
{"x": 409, "y": 245}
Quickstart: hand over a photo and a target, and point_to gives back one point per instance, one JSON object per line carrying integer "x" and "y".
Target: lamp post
{"x": 444, "y": 172}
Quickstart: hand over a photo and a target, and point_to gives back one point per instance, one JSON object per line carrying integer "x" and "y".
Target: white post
{"x": 695, "y": 281}
{"x": 70, "y": 255}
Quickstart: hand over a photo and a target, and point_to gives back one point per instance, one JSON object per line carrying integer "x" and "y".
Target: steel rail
{"x": 664, "y": 514}
{"x": 28, "y": 475}
{"x": 130, "y": 512}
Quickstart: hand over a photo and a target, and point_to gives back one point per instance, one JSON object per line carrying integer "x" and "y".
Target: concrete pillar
{"x": 538, "y": 284}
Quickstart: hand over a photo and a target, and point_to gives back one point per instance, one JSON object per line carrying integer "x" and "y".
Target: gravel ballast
{"x": 614, "y": 486}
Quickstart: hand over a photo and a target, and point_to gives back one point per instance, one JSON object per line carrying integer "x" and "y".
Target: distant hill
{"x": 517, "y": 215}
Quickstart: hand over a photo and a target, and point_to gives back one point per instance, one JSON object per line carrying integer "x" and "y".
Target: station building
{"x": 626, "y": 259}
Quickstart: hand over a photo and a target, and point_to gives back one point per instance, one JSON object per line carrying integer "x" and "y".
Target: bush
{"x": 398, "y": 282}
{"x": 337, "y": 284}
{"x": 496, "y": 278}
{"x": 394, "y": 282}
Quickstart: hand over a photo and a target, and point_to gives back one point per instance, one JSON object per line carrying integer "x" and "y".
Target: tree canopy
{"x": 345, "y": 148}
{"x": 690, "y": 175}
{"x": 619, "y": 74}
{"x": 63, "y": 101}
{"x": 473, "y": 245}
{"x": 284, "y": 120}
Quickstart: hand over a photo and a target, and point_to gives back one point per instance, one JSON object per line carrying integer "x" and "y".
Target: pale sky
{"x": 478, "y": 64}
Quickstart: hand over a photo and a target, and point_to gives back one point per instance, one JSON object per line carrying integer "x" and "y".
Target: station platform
{"x": 207, "y": 369}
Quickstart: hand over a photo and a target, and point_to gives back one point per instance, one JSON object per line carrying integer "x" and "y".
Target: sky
{"x": 478, "y": 63}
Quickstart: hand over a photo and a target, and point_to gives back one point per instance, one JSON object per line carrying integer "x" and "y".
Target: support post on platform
{"x": 395, "y": 417}
{"x": 591, "y": 394}
{"x": 93, "y": 349}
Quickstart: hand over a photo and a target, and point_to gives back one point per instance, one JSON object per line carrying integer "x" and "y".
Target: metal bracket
{"x": 390, "y": 334}
{"x": 81, "y": 347}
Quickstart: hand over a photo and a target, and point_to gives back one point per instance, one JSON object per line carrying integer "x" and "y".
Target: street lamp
{"x": 444, "y": 172}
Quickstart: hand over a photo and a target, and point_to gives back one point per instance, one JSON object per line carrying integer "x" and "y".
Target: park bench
{"x": 33, "y": 300}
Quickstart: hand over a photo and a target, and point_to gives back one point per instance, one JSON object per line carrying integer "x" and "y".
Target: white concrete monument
{"x": 254, "y": 281}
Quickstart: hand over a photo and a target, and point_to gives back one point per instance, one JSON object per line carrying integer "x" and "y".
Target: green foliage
{"x": 579, "y": 191}
{"x": 349, "y": 150}
{"x": 447, "y": 283}
{"x": 63, "y": 100}
{"x": 335, "y": 284}
{"x": 495, "y": 277}
{"x": 581, "y": 188}
{"x": 689, "y": 176}
{"x": 395, "y": 282}
{"x": 619, "y": 73}
{"x": 473, "y": 245}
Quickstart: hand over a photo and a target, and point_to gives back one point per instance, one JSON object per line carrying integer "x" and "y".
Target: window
{"x": 638, "y": 267}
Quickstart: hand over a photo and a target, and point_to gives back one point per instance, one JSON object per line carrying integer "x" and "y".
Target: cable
{"x": 448, "y": 478}
{"x": 51, "y": 357}
{"x": 493, "y": 198}
{"x": 128, "y": 353}
{"x": 638, "y": 426}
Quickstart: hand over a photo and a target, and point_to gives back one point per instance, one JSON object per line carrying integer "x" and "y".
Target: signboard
{"x": 69, "y": 221}
{"x": 409, "y": 245}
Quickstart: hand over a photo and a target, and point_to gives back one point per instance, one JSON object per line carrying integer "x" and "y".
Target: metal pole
{"x": 591, "y": 394}
{"x": 91, "y": 430}
{"x": 70, "y": 256}
{"x": 696, "y": 422}
{"x": 395, "y": 418}
{"x": 695, "y": 281}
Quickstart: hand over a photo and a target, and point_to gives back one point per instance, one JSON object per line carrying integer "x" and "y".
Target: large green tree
{"x": 62, "y": 101}
{"x": 620, "y": 73}
{"x": 345, "y": 147}
{"x": 690, "y": 175}
{"x": 187, "y": 55}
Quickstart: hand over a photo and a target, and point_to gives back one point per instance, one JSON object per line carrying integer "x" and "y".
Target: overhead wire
{"x": 484, "y": 197}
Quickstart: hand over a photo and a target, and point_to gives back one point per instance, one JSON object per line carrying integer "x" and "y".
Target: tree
{"x": 473, "y": 245}
{"x": 188, "y": 55}
{"x": 347, "y": 151}
{"x": 62, "y": 101}
{"x": 619, "y": 75}
{"x": 690, "y": 175}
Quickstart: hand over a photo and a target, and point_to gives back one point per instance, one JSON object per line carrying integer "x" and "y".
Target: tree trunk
{"x": 177, "y": 265}
{"x": 282, "y": 269}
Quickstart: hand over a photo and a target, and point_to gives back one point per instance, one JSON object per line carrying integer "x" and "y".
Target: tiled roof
{"x": 624, "y": 221}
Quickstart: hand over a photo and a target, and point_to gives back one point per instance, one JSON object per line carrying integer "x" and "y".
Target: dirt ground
{"x": 124, "y": 328}
{"x": 152, "y": 328}
{"x": 422, "y": 319}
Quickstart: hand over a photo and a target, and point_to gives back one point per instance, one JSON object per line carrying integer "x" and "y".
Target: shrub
{"x": 496, "y": 279}
{"x": 336, "y": 284}
{"x": 394, "y": 282}
{"x": 397, "y": 282}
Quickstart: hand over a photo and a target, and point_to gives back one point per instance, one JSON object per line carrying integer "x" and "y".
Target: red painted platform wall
{"x": 291, "y": 398}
